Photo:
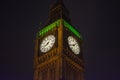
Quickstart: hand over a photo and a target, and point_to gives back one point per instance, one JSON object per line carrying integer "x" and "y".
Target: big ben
{"x": 58, "y": 48}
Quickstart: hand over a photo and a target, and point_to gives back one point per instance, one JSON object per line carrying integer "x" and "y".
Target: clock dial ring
{"x": 73, "y": 44}
{"x": 47, "y": 43}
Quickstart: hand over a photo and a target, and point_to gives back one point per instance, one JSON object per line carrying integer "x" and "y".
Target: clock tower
{"x": 58, "y": 48}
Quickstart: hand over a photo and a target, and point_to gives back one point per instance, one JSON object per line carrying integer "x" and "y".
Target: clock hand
{"x": 47, "y": 43}
{"x": 73, "y": 44}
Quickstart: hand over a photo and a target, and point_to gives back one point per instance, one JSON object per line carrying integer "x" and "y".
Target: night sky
{"x": 97, "y": 20}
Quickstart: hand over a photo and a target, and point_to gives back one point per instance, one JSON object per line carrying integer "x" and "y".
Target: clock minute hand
{"x": 47, "y": 43}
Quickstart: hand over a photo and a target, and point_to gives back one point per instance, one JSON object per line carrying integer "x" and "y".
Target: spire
{"x": 57, "y": 11}
{"x": 57, "y": 3}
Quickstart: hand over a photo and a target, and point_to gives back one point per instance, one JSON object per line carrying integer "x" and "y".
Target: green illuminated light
{"x": 57, "y": 24}
{"x": 49, "y": 27}
{"x": 72, "y": 29}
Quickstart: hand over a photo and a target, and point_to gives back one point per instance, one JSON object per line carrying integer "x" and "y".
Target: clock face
{"x": 73, "y": 44}
{"x": 47, "y": 43}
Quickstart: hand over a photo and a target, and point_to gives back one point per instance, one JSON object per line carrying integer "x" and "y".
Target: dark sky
{"x": 97, "y": 20}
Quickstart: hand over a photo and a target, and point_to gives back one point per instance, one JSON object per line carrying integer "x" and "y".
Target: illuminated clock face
{"x": 47, "y": 43}
{"x": 73, "y": 44}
